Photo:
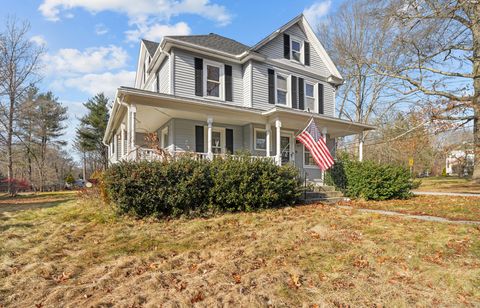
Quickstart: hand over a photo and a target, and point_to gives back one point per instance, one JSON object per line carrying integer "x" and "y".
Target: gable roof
{"x": 214, "y": 41}
{"x": 151, "y": 46}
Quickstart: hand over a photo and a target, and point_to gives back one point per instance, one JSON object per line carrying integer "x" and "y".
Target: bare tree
{"x": 354, "y": 40}
{"x": 439, "y": 44}
{"x": 20, "y": 64}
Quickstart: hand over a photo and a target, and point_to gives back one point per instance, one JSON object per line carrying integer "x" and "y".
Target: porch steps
{"x": 322, "y": 193}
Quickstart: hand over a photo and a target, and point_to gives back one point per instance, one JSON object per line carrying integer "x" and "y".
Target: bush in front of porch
{"x": 369, "y": 180}
{"x": 198, "y": 187}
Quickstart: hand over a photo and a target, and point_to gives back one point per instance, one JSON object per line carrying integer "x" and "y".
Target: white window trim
{"x": 255, "y": 139}
{"x": 315, "y": 104}
{"x": 164, "y": 132}
{"x": 288, "y": 102}
{"x": 221, "y": 79}
{"x": 302, "y": 44}
{"x": 304, "y": 164}
{"x": 223, "y": 139}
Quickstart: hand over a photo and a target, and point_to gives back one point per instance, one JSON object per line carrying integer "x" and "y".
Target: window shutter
{"x": 158, "y": 80}
{"x": 320, "y": 98}
{"x": 301, "y": 94}
{"x": 198, "y": 77}
{"x": 228, "y": 83}
{"x": 286, "y": 46}
{"x": 229, "y": 140}
{"x": 306, "y": 48}
{"x": 294, "y": 92}
{"x": 199, "y": 143}
{"x": 271, "y": 86}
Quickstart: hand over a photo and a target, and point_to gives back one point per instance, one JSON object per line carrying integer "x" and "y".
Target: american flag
{"x": 314, "y": 142}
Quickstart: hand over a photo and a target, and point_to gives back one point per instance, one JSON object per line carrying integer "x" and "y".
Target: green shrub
{"x": 370, "y": 180}
{"x": 190, "y": 187}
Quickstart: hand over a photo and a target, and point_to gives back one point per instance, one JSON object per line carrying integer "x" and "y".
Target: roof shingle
{"x": 214, "y": 41}
{"x": 151, "y": 46}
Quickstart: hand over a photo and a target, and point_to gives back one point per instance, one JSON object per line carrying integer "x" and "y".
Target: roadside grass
{"x": 449, "y": 184}
{"x": 451, "y": 207}
{"x": 79, "y": 253}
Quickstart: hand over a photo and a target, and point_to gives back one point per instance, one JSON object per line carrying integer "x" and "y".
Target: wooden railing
{"x": 152, "y": 155}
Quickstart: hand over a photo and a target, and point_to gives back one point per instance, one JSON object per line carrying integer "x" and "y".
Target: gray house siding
{"x": 247, "y": 84}
{"x": 274, "y": 51}
{"x": 185, "y": 76}
{"x": 164, "y": 77}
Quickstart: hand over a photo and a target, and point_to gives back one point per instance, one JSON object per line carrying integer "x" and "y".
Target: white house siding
{"x": 164, "y": 77}
{"x": 274, "y": 51}
{"x": 247, "y": 82}
{"x": 185, "y": 76}
{"x": 184, "y": 134}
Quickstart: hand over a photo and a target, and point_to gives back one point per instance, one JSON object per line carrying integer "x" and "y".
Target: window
{"x": 296, "y": 48}
{"x": 260, "y": 140}
{"x": 216, "y": 142}
{"x": 309, "y": 97}
{"x": 164, "y": 140}
{"x": 281, "y": 89}
{"x": 213, "y": 80}
{"x": 308, "y": 158}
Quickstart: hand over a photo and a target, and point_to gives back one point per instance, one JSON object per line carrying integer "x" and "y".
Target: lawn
{"x": 451, "y": 207}
{"x": 78, "y": 253}
{"x": 449, "y": 184}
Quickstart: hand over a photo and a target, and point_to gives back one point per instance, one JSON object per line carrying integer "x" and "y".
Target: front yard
{"x": 449, "y": 184}
{"x": 78, "y": 253}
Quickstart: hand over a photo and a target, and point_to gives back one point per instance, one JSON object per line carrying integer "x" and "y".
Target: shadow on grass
{"x": 31, "y": 205}
{"x": 19, "y": 225}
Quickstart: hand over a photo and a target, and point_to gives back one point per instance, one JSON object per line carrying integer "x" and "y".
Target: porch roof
{"x": 154, "y": 109}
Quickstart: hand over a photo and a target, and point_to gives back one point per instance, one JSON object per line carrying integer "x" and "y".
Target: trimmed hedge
{"x": 190, "y": 187}
{"x": 370, "y": 180}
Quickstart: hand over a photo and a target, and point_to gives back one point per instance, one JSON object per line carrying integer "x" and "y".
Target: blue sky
{"x": 92, "y": 45}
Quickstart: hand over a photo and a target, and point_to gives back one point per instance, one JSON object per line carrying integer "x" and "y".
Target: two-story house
{"x": 213, "y": 95}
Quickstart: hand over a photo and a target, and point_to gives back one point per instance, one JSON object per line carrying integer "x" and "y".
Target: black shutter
{"x": 286, "y": 46}
{"x": 301, "y": 94}
{"x": 158, "y": 80}
{"x": 198, "y": 77}
{"x": 294, "y": 92}
{"x": 228, "y": 83}
{"x": 199, "y": 143}
{"x": 306, "y": 48}
{"x": 271, "y": 86}
{"x": 320, "y": 98}
{"x": 229, "y": 140}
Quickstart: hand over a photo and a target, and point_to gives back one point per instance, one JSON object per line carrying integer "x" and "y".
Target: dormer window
{"x": 296, "y": 48}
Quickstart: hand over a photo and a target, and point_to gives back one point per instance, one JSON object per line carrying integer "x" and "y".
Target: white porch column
{"x": 278, "y": 125}
{"x": 209, "y": 137}
{"x": 360, "y": 147}
{"x": 133, "y": 112}
{"x": 129, "y": 134}
{"x": 122, "y": 142}
{"x": 268, "y": 129}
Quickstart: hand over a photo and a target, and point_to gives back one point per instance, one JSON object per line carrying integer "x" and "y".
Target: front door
{"x": 286, "y": 146}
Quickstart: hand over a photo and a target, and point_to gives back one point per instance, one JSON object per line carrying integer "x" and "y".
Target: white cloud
{"x": 317, "y": 11}
{"x": 101, "y": 29}
{"x": 139, "y": 9}
{"x": 155, "y": 32}
{"x": 69, "y": 61}
{"x": 105, "y": 82}
{"x": 39, "y": 40}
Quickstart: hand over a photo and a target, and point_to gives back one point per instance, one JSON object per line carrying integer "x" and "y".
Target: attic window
{"x": 296, "y": 48}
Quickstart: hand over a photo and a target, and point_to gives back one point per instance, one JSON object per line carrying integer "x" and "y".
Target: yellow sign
{"x": 410, "y": 162}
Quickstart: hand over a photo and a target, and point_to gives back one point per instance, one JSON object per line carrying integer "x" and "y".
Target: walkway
{"x": 439, "y": 193}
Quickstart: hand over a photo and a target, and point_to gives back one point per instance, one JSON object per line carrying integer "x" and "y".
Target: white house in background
{"x": 212, "y": 95}
{"x": 459, "y": 162}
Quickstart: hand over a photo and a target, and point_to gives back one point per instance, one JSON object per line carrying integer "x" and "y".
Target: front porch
{"x": 204, "y": 130}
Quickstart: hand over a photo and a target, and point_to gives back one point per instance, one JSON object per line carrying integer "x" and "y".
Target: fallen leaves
{"x": 198, "y": 297}
{"x": 294, "y": 282}
{"x": 237, "y": 278}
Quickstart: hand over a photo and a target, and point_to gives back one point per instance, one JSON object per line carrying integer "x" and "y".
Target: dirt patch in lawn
{"x": 450, "y": 207}
{"x": 81, "y": 254}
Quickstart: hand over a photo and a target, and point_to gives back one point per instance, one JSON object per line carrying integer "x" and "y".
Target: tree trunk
{"x": 84, "y": 168}
{"x": 476, "y": 97}
{"x": 11, "y": 188}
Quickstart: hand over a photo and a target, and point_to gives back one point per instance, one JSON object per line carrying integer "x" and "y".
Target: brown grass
{"x": 451, "y": 207}
{"x": 449, "y": 184}
{"x": 80, "y": 254}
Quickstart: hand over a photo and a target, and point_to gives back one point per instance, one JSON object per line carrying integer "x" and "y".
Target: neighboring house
{"x": 459, "y": 162}
{"x": 212, "y": 95}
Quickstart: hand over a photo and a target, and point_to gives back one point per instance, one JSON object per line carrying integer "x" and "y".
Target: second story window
{"x": 296, "y": 48}
{"x": 309, "y": 97}
{"x": 282, "y": 89}
{"x": 213, "y": 80}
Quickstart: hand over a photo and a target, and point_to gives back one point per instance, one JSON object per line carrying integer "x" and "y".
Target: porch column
{"x": 122, "y": 142}
{"x": 278, "y": 125}
{"x": 268, "y": 129}
{"x": 129, "y": 134}
{"x": 133, "y": 112}
{"x": 209, "y": 138}
{"x": 360, "y": 147}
